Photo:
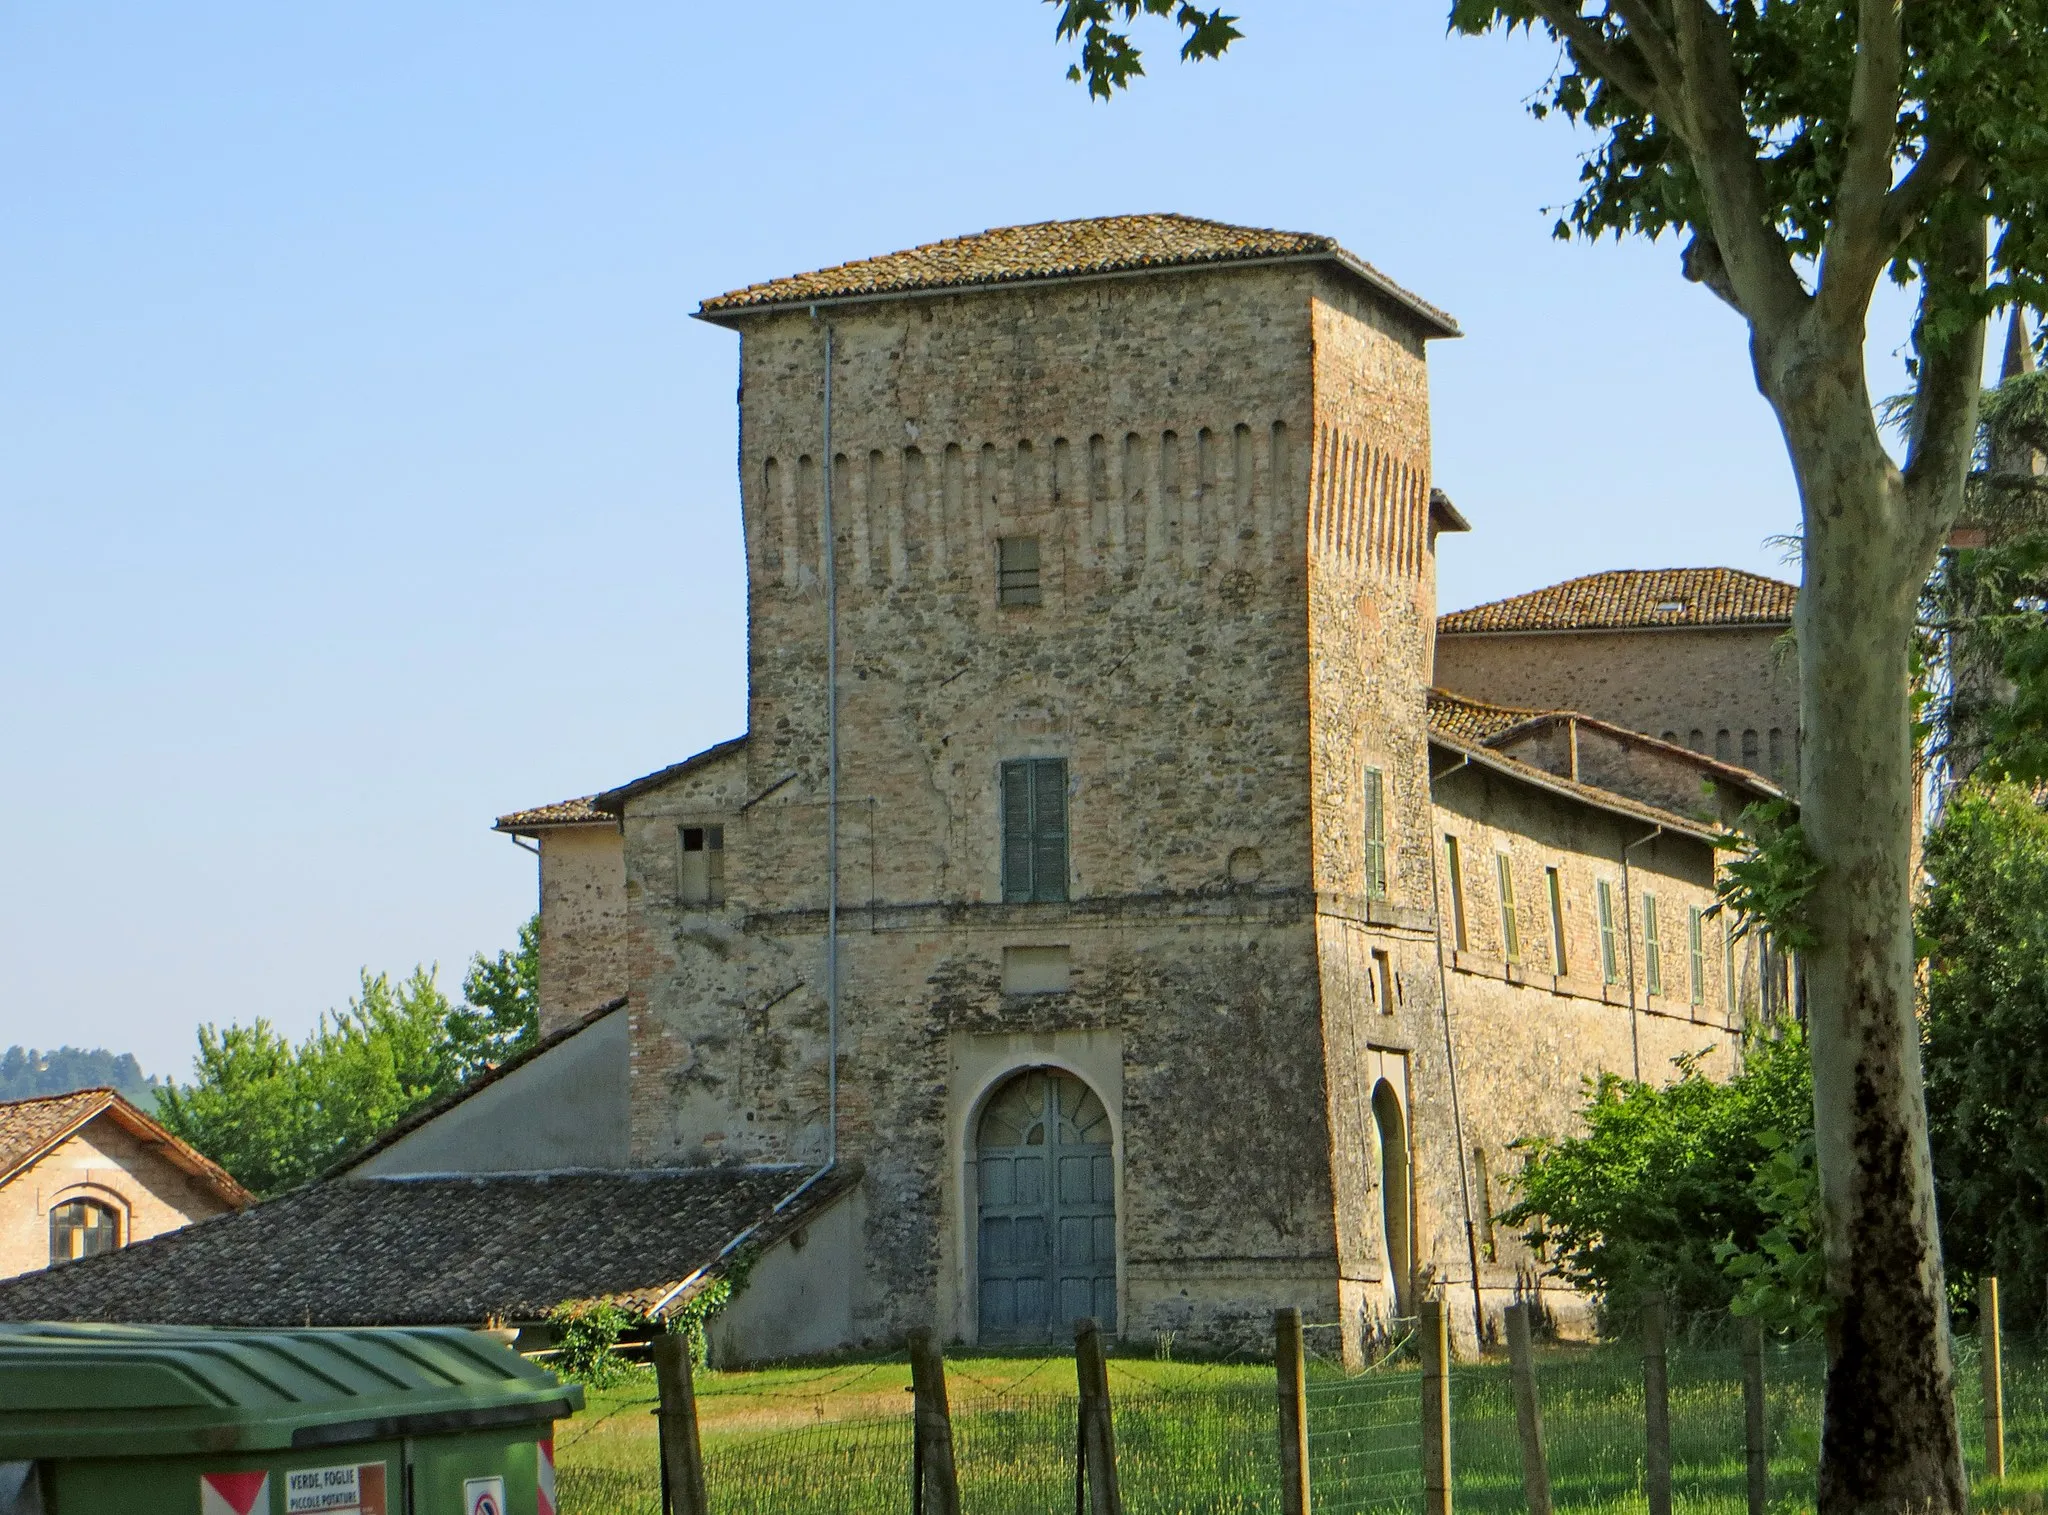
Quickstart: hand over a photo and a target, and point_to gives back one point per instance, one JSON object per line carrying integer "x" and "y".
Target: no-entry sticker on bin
{"x": 234, "y": 1494}
{"x": 351, "y": 1489}
{"x": 483, "y": 1496}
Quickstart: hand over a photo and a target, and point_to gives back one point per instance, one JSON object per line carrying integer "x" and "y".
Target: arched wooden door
{"x": 1047, "y": 1194}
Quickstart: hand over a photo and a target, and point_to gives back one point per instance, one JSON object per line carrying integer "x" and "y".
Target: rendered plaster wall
{"x": 1720, "y": 691}
{"x": 582, "y": 921}
{"x": 101, "y": 1162}
{"x": 798, "y": 1298}
{"x": 567, "y": 1108}
{"x": 1156, "y": 436}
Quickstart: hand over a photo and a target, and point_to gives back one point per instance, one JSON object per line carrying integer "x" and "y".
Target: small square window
{"x": 1017, "y": 571}
{"x": 703, "y": 870}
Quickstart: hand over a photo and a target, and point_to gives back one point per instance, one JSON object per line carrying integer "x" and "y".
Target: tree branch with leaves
{"x": 1802, "y": 150}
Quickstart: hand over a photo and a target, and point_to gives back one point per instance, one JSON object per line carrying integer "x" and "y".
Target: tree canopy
{"x": 276, "y": 1113}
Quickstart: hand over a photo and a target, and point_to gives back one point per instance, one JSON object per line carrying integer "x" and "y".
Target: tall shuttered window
{"x": 1375, "y": 833}
{"x": 1457, "y": 882}
{"x": 1559, "y": 963}
{"x": 1653, "y": 948}
{"x": 1731, "y": 984}
{"x": 1035, "y": 830}
{"x": 1696, "y": 941}
{"x": 1510, "y": 929}
{"x": 1610, "y": 958}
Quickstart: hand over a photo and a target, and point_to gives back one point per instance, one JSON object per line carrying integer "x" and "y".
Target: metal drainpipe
{"x": 1443, "y": 984}
{"x": 1628, "y": 935}
{"x": 831, "y": 779}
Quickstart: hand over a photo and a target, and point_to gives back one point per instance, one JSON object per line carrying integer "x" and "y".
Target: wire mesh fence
{"x": 1202, "y": 1438}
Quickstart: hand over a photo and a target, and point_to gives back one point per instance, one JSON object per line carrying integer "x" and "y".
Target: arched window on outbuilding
{"x": 81, "y": 1228}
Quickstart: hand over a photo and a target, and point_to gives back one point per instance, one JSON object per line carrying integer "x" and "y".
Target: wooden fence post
{"x": 1095, "y": 1490}
{"x": 935, "y": 1484}
{"x": 682, "y": 1456}
{"x": 1992, "y": 1365}
{"x": 1656, "y": 1407}
{"x": 1291, "y": 1375}
{"x": 1755, "y": 1442}
{"x": 1528, "y": 1410}
{"x": 1433, "y": 1327}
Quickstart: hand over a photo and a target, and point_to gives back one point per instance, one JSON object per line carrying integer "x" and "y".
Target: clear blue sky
{"x": 363, "y": 474}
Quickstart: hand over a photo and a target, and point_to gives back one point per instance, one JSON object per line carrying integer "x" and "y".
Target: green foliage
{"x": 500, "y": 1013}
{"x": 1772, "y": 873}
{"x": 1984, "y": 918}
{"x": 1110, "y": 60}
{"x": 1782, "y": 1281}
{"x": 1664, "y": 1177}
{"x": 275, "y": 1113}
{"x": 586, "y": 1346}
{"x": 26, "y": 1073}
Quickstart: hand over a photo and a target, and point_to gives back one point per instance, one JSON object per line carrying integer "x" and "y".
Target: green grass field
{"x": 1198, "y": 1439}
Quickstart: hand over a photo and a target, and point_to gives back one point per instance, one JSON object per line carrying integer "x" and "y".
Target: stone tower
{"x": 1134, "y": 546}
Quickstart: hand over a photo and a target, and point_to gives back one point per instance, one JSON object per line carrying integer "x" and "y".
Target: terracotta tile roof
{"x": 1474, "y": 720}
{"x": 429, "y": 1251}
{"x": 565, "y": 813}
{"x": 1630, "y": 598}
{"x": 1061, "y": 249}
{"x": 31, "y": 1127}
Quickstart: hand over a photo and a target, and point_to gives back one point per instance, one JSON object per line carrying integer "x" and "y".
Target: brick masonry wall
{"x": 1722, "y": 684}
{"x": 582, "y": 921}
{"x": 102, "y": 1162}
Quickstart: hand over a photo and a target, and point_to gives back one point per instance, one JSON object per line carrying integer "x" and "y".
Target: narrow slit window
{"x": 1375, "y": 834}
{"x": 1035, "y": 830}
{"x": 703, "y": 871}
{"x": 1383, "y": 980}
{"x": 1610, "y": 959}
{"x": 1730, "y": 984}
{"x": 1456, "y": 874}
{"x": 1559, "y": 963}
{"x": 1487, "y": 1247}
{"x": 1510, "y": 932}
{"x": 1695, "y": 933}
{"x": 1653, "y": 948}
{"x": 1017, "y": 571}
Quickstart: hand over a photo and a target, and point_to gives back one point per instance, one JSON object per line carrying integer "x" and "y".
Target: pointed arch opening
{"x": 1390, "y": 1126}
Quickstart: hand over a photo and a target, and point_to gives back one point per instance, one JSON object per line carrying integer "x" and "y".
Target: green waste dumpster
{"x": 185, "y": 1420}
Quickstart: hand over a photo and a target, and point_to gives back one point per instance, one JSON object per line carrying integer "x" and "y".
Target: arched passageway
{"x": 1391, "y": 1128}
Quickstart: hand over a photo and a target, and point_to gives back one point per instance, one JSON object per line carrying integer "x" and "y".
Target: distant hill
{"x": 25, "y": 1073}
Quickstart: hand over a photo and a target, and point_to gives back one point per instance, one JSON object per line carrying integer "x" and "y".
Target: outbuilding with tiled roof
{"x": 89, "y": 1172}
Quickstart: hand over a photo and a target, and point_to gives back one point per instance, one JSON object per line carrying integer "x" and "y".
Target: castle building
{"x": 1128, "y": 898}
{"x": 1190, "y": 959}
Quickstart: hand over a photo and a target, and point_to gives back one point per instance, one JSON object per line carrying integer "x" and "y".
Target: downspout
{"x": 1443, "y": 984}
{"x": 1628, "y": 933}
{"x": 831, "y": 779}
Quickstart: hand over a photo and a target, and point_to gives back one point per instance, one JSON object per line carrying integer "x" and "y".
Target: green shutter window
{"x": 1653, "y": 949}
{"x": 1457, "y": 878}
{"x": 1510, "y": 932}
{"x": 1696, "y": 940}
{"x": 1375, "y": 834}
{"x": 1729, "y": 981}
{"x": 1558, "y": 962}
{"x": 1034, "y": 830}
{"x": 1610, "y": 960}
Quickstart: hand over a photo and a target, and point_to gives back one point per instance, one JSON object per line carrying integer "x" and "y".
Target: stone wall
{"x": 1527, "y": 1036}
{"x": 582, "y": 921}
{"x": 1732, "y": 692}
{"x": 104, "y": 1163}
